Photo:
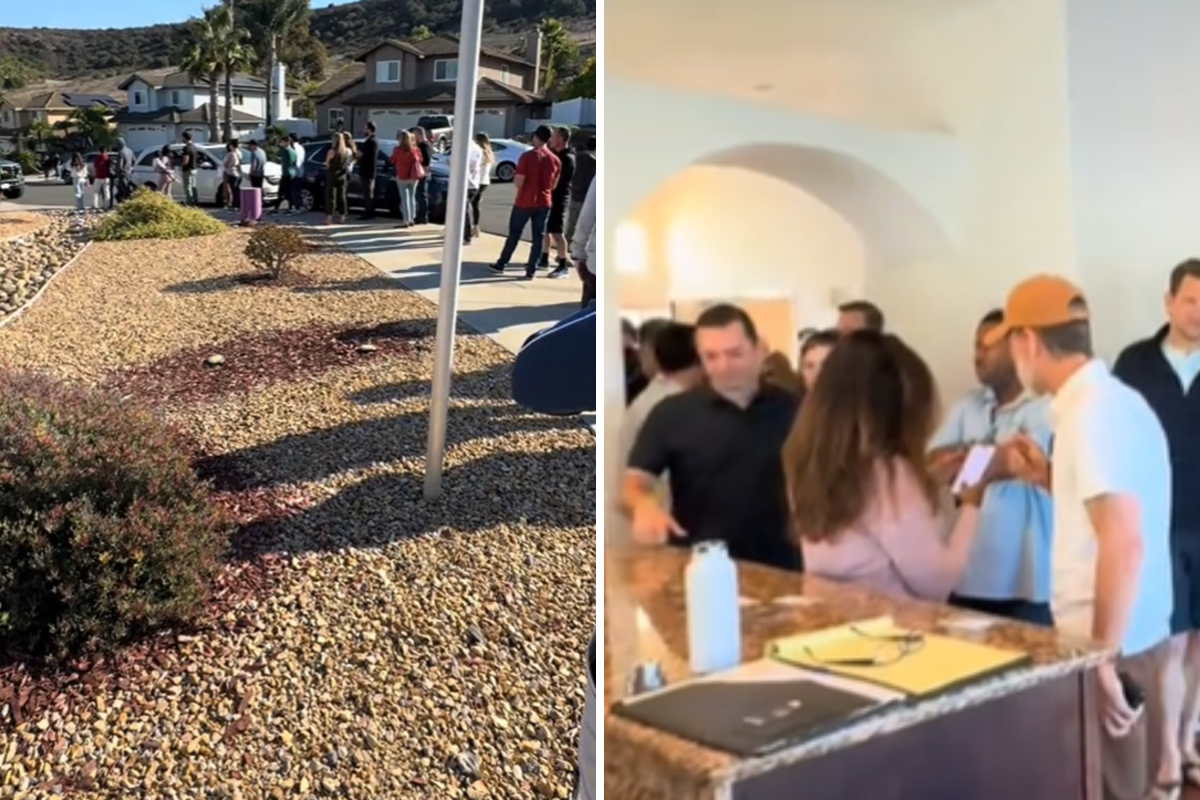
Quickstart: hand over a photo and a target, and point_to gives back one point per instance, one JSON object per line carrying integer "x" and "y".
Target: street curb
{"x": 20, "y": 312}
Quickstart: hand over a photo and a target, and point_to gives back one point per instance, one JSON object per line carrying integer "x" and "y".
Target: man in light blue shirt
{"x": 1008, "y": 571}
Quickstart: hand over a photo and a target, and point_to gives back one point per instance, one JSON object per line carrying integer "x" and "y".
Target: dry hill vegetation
{"x": 344, "y": 30}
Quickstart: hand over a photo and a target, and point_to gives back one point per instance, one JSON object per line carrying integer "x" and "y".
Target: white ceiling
{"x": 828, "y": 57}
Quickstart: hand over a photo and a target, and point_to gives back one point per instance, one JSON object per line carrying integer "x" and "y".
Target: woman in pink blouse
{"x": 864, "y": 504}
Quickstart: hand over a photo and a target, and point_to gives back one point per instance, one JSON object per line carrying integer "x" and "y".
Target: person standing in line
{"x": 124, "y": 172}
{"x": 338, "y": 163}
{"x": 556, "y": 222}
{"x": 258, "y": 165}
{"x": 368, "y": 164}
{"x": 581, "y": 181}
{"x": 583, "y": 245}
{"x": 485, "y": 178}
{"x": 1109, "y": 473}
{"x": 719, "y": 445}
{"x": 297, "y": 204}
{"x": 79, "y": 179}
{"x": 421, "y": 188}
{"x": 674, "y": 348}
{"x": 287, "y": 175}
{"x": 406, "y": 161}
{"x": 190, "y": 162}
{"x": 1163, "y": 369}
{"x": 474, "y": 169}
{"x": 101, "y": 185}
{"x": 535, "y": 179}
{"x": 814, "y": 349}
{"x": 1008, "y": 571}
{"x": 859, "y": 315}
{"x": 231, "y": 172}
{"x": 164, "y": 168}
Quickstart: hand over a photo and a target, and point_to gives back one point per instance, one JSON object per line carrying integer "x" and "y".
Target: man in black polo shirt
{"x": 1164, "y": 369}
{"x": 719, "y": 445}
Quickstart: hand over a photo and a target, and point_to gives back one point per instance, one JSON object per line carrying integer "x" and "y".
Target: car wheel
{"x": 308, "y": 198}
{"x": 441, "y": 144}
{"x": 506, "y": 171}
{"x": 151, "y": 185}
{"x": 15, "y": 194}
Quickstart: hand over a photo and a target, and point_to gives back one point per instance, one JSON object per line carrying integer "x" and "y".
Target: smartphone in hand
{"x": 975, "y": 465}
{"x": 1134, "y": 695}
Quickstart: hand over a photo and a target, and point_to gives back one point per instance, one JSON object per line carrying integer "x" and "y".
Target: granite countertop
{"x": 645, "y": 620}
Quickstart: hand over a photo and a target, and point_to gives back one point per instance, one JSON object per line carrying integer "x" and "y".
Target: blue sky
{"x": 120, "y": 14}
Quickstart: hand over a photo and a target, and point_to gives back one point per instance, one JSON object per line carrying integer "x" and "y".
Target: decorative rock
{"x": 215, "y": 360}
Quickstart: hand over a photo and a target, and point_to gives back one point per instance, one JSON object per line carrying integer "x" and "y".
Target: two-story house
{"x": 403, "y": 81}
{"x": 158, "y": 110}
{"x": 51, "y": 107}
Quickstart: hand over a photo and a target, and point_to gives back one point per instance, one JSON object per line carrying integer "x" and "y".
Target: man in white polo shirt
{"x": 1110, "y": 477}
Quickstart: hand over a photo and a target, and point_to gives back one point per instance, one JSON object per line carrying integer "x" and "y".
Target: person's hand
{"x": 651, "y": 525}
{"x": 1025, "y": 460}
{"x": 1115, "y": 713}
{"x": 945, "y": 463}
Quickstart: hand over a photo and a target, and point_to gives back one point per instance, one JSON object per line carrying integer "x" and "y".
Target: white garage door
{"x": 491, "y": 121}
{"x": 390, "y": 120}
{"x": 141, "y": 137}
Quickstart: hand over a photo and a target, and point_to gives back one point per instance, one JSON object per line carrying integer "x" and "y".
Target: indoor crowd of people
{"x": 1082, "y": 520}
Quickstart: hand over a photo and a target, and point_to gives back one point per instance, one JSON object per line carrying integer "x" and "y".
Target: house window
{"x": 337, "y": 118}
{"x": 6, "y": 116}
{"x": 139, "y": 98}
{"x": 504, "y": 74}
{"x": 539, "y": 112}
{"x": 387, "y": 72}
{"x": 239, "y": 99}
{"x": 175, "y": 97}
{"x": 445, "y": 69}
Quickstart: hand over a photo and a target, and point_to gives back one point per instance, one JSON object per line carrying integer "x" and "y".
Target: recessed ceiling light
{"x": 762, "y": 88}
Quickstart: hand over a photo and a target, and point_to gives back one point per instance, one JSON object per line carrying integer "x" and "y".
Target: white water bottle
{"x": 713, "y": 609}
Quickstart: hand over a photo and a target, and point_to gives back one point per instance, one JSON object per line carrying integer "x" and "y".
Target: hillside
{"x": 344, "y": 30}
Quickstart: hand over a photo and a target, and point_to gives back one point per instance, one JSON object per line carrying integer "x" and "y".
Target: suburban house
{"x": 159, "y": 109}
{"x": 400, "y": 82}
{"x": 53, "y": 107}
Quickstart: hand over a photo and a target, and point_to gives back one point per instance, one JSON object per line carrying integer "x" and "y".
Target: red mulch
{"x": 29, "y": 687}
{"x": 255, "y": 362}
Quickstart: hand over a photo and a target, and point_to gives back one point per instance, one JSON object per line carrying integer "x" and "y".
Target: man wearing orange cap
{"x": 1110, "y": 476}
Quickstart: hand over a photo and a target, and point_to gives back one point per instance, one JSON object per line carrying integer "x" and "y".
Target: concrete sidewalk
{"x": 504, "y": 308}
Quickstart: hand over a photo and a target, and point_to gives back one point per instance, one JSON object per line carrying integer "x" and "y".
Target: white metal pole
{"x": 456, "y": 204}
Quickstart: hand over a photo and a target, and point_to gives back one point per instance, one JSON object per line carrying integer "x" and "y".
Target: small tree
{"x": 273, "y": 248}
{"x": 583, "y": 84}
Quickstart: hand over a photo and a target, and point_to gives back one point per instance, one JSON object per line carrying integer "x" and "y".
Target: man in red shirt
{"x": 535, "y": 179}
{"x": 101, "y": 185}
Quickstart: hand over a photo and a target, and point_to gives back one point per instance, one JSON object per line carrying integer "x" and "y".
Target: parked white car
{"x": 208, "y": 172}
{"x": 506, "y": 151}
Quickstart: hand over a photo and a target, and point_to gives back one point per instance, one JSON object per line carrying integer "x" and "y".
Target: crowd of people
{"x": 1084, "y": 519}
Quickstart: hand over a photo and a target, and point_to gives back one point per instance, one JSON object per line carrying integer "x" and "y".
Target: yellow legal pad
{"x": 879, "y": 652}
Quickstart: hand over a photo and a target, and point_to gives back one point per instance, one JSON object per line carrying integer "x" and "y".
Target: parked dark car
{"x": 387, "y": 195}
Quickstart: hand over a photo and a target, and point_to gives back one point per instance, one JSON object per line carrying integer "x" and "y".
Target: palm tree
{"x": 94, "y": 124}
{"x": 202, "y": 59}
{"x": 236, "y": 56}
{"x": 269, "y": 21}
{"x": 39, "y": 130}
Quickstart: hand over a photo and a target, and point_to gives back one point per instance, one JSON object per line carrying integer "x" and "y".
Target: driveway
{"x": 497, "y": 201}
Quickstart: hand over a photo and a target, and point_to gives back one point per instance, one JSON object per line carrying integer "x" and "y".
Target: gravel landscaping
{"x": 364, "y": 642}
{"x": 32, "y": 248}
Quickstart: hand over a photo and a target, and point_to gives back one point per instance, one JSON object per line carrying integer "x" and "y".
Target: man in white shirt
{"x": 474, "y": 178}
{"x": 297, "y": 185}
{"x": 1109, "y": 472}
{"x": 583, "y": 245}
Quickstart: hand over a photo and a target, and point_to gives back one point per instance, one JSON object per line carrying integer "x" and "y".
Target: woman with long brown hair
{"x": 864, "y": 505}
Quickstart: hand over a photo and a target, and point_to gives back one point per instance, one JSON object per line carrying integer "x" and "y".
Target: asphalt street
{"x": 494, "y": 207}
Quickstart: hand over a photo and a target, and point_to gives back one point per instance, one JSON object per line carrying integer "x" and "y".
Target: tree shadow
{"x": 315, "y": 455}
{"x": 552, "y": 488}
{"x": 492, "y": 383}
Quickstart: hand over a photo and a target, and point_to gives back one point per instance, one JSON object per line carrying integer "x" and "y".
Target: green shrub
{"x": 273, "y": 248}
{"x": 151, "y": 215}
{"x": 105, "y": 531}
